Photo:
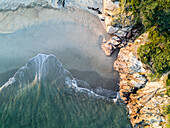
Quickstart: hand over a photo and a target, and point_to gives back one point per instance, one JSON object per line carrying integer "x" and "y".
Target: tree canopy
{"x": 154, "y": 15}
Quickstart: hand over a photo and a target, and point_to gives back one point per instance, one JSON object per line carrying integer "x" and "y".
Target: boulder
{"x": 136, "y": 84}
{"x": 129, "y": 34}
{"x": 108, "y": 46}
{"x": 114, "y": 47}
{"x": 121, "y": 33}
{"x": 121, "y": 45}
{"x": 107, "y": 49}
{"x": 101, "y": 17}
{"x": 140, "y": 79}
{"x": 134, "y": 64}
{"x": 108, "y": 5}
{"x": 114, "y": 42}
{"x": 125, "y": 29}
{"x": 108, "y": 21}
{"x": 113, "y": 38}
{"x": 124, "y": 42}
{"x": 104, "y": 40}
{"x": 111, "y": 29}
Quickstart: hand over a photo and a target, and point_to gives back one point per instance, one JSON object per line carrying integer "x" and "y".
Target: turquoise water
{"x": 43, "y": 94}
{"x": 73, "y": 36}
{"x": 50, "y": 106}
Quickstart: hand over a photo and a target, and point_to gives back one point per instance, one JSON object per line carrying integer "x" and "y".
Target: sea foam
{"x": 42, "y": 68}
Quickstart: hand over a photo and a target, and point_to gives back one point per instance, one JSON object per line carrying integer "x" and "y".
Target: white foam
{"x": 44, "y": 66}
{"x": 10, "y": 81}
{"x": 73, "y": 84}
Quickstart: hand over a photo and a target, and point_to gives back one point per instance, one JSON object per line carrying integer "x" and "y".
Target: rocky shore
{"x": 143, "y": 97}
{"x": 119, "y": 25}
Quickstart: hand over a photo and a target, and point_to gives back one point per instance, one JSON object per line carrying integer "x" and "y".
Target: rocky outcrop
{"x": 144, "y": 99}
{"x": 121, "y": 31}
{"x": 114, "y": 43}
{"x": 111, "y": 29}
{"x": 120, "y": 38}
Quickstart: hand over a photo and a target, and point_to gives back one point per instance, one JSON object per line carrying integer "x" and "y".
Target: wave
{"x": 47, "y": 68}
{"x": 14, "y": 4}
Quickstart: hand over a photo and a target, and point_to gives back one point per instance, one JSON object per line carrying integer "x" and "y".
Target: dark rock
{"x": 95, "y": 9}
{"x": 129, "y": 34}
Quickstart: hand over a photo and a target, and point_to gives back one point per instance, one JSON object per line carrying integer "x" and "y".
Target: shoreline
{"x": 143, "y": 98}
{"x": 139, "y": 94}
{"x": 74, "y": 37}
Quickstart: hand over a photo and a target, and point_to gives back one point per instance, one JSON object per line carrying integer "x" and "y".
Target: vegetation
{"x": 154, "y": 15}
{"x": 168, "y": 85}
{"x": 166, "y": 110}
{"x": 156, "y": 52}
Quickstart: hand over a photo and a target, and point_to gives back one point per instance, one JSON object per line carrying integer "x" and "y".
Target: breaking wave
{"x": 47, "y": 68}
{"x": 43, "y": 94}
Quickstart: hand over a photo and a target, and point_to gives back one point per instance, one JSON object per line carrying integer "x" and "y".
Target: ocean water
{"x": 36, "y": 90}
{"x": 74, "y": 36}
{"x": 42, "y": 94}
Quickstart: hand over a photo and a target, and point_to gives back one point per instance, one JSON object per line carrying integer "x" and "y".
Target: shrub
{"x": 168, "y": 85}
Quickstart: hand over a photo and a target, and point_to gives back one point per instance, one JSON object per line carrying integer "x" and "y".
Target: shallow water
{"x": 74, "y": 37}
{"x": 43, "y": 94}
{"x": 46, "y": 106}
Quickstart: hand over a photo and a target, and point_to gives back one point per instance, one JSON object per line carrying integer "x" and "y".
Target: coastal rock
{"x": 139, "y": 78}
{"x": 109, "y": 13}
{"x": 128, "y": 60}
{"x": 107, "y": 45}
{"x": 108, "y": 21}
{"x": 115, "y": 40}
{"x": 121, "y": 33}
{"x": 144, "y": 99}
{"x": 104, "y": 40}
{"x": 101, "y": 17}
{"x": 107, "y": 49}
{"x": 108, "y": 4}
{"x": 125, "y": 29}
{"x": 136, "y": 84}
{"x": 111, "y": 45}
{"x": 111, "y": 29}
{"x": 134, "y": 64}
{"x": 129, "y": 34}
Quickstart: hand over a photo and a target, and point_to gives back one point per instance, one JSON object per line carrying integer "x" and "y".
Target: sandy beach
{"x": 73, "y": 35}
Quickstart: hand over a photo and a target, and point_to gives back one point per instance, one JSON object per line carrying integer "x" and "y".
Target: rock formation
{"x": 120, "y": 30}
{"x": 144, "y": 99}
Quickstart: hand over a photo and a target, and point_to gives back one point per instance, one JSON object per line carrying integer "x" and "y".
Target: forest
{"x": 154, "y": 17}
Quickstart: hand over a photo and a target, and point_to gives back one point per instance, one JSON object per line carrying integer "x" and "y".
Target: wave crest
{"x": 47, "y": 68}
